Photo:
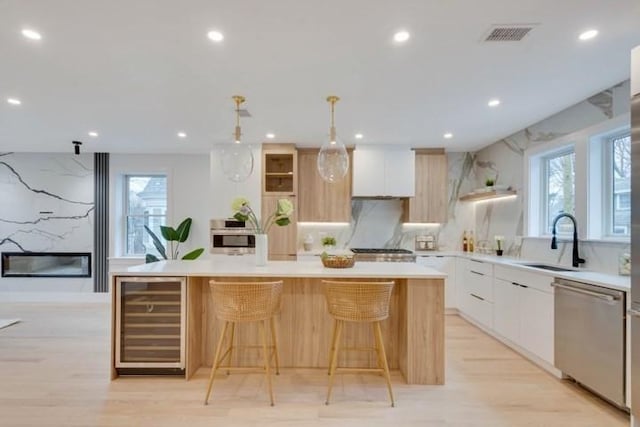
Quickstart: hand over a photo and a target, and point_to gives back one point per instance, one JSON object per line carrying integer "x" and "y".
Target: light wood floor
{"x": 54, "y": 372}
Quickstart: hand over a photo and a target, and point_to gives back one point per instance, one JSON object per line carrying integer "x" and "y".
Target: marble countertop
{"x": 223, "y": 265}
{"x": 611, "y": 281}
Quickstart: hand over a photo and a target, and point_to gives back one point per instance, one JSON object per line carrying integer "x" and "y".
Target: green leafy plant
{"x": 489, "y": 182}
{"x": 328, "y": 241}
{"x": 171, "y": 235}
{"x": 281, "y": 217}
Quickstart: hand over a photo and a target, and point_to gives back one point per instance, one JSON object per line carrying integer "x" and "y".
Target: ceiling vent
{"x": 508, "y": 33}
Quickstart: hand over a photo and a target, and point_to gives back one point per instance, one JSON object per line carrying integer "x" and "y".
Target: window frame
{"x": 545, "y": 158}
{"x": 609, "y": 203}
{"x": 126, "y": 204}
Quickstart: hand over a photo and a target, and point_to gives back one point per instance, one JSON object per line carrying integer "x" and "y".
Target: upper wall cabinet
{"x": 383, "y": 171}
{"x": 319, "y": 200}
{"x": 279, "y": 167}
{"x": 431, "y": 199}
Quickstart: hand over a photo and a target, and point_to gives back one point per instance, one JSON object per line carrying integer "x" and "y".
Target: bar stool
{"x": 358, "y": 302}
{"x": 241, "y": 302}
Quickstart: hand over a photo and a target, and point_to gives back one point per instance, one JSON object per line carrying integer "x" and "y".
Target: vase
{"x": 262, "y": 249}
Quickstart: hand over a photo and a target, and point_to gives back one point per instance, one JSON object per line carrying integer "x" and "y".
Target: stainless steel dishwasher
{"x": 590, "y": 337}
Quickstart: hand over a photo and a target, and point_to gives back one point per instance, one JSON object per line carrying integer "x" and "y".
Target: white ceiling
{"x": 139, "y": 71}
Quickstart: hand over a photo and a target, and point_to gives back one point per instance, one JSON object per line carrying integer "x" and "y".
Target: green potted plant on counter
{"x": 173, "y": 237}
{"x": 329, "y": 242}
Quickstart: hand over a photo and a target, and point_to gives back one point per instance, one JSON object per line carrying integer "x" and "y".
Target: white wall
{"x": 188, "y": 192}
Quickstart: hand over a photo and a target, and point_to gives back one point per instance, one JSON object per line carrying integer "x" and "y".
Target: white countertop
{"x": 611, "y": 281}
{"x": 223, "y": 265}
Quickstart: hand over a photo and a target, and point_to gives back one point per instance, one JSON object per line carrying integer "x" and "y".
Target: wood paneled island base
{"x": 413, "y": 333}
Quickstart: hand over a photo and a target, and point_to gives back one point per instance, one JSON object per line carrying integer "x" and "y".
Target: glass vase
{"x": 262, "y": 249}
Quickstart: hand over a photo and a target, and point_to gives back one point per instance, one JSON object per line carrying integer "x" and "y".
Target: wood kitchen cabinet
{"x": 431, "y": 182}
{"x": 280, "y": 180}
{"x": 320, "y": 200}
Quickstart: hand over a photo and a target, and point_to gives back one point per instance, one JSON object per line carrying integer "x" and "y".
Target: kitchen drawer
{"x": 480, "y": 266}
{"x": 479, "y": 310}
{"x": 541, "y": 282}
{"x": 479, "y": 284}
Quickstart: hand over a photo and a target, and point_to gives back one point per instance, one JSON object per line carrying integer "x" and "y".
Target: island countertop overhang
{"x": 244, "y": 267}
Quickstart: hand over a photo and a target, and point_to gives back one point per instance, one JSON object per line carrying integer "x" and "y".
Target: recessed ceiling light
{"x": 493, "y": 102}
{"x": 270, "y": 135}
{"x": 93, "y": 134}
{"x": 14, "y": 101}
{"x": 359, "y": 136}
{"x": 31, "y": 34}
{"x": 448, "y": 135}
{"x": 587, "y": 35}
{"x": 401, "y": 36}
{"x": 182, "y": 135}
{"x": 215, "y": 36}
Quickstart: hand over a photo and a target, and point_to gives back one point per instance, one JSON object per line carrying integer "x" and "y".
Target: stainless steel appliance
{"x": 385, "y": 255}
{"x": 590, "y": 337}
{"x": 634, "y": 311}
{"x": 231, "y": 237}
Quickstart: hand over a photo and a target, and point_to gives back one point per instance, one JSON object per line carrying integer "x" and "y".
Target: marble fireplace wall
{"x": 47, "y": 206}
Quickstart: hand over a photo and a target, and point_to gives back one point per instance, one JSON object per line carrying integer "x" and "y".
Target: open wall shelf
{"x": 488, "y": 195}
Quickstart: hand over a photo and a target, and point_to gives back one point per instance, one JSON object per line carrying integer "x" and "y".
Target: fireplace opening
{"x": 46, "y": 264}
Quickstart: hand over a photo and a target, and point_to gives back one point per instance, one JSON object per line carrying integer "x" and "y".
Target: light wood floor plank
{"x": 54, "y": 371}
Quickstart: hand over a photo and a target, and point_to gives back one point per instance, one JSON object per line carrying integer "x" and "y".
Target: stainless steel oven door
{"x": 233, "y": 242}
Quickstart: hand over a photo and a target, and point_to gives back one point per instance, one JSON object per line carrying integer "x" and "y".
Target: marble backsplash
{"x": 378, "y": 223}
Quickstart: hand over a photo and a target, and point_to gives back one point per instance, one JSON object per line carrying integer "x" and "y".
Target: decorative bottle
{"x": 470, "y": 245}
{"x": 464, "y": 241}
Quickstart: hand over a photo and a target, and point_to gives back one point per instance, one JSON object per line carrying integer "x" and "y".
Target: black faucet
{"x": 554, "y": 245}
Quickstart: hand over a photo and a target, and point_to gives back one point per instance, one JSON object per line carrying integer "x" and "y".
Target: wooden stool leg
{"x": 216, "y": 362}
{"x": 333, "y": 364}
{"x": 383, "y": 356}
{"x": 267, "y": 364}
{"x": 275, "y": 345}
{"x": 229, "y": 356}
{"x": 332, "y": 346}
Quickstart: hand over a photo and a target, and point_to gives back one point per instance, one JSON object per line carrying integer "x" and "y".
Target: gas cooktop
{"x": 388, "y": 255}
{"x": 380, "y": 251}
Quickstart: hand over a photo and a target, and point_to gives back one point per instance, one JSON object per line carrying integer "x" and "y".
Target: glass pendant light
{"x": 237, "y": 160}
{"x": 333, "y": 160}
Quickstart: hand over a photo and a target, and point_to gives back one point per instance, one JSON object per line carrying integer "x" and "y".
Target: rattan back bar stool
{"x": 358, "y": 302}
{"x": 240, "y": 302}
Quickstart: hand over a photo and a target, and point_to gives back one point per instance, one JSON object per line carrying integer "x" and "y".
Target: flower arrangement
{"x": 244, "y": 212}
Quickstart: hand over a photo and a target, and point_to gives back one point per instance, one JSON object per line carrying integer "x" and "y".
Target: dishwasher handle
{"x": 605, "y": 297}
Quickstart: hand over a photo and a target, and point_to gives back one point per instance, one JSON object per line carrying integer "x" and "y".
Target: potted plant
{"x": 499, "y": 244}
{"x": 171, "y": 235}
{"x": 490, "y": 182}
{"x": 329, "y": 242}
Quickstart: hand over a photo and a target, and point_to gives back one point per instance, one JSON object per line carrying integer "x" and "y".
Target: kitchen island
{"x": 413, "y": 333}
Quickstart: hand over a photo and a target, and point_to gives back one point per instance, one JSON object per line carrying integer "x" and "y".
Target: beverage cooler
{"x": 150, "y": 325}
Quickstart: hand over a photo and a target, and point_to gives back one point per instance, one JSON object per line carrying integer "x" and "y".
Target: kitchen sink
{"x": 549, "y": 267}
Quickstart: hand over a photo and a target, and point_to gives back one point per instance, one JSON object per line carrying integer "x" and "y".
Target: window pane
{"x": 146, "y": 205}
{"x": 621, "y": 174}
{"x": 560, "y": 190}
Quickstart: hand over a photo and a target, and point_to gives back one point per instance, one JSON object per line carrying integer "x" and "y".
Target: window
{"x": 145, "y": 204}
{"x": 618, "y": 183}
{"x": 558, "y": 184}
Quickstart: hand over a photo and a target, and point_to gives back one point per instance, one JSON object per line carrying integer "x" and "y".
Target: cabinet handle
{"x": 516, "y": 284}
{"x": 524, "y": 286}
{"x": 476, "y": 296}
{"x": 475, "y": 260}
{"x": 475, "y": 272}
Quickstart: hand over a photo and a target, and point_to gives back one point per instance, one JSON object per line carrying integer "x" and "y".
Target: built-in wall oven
{"x": 231, "y": 237}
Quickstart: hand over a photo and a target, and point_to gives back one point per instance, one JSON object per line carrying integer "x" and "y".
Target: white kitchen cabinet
{"x": 476, "y": 300}
{"x": 444, "y": 264}
{"x": 523, "y": 310}
{"x": 506, "y": 313}
{"x": 383, "y": 172}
